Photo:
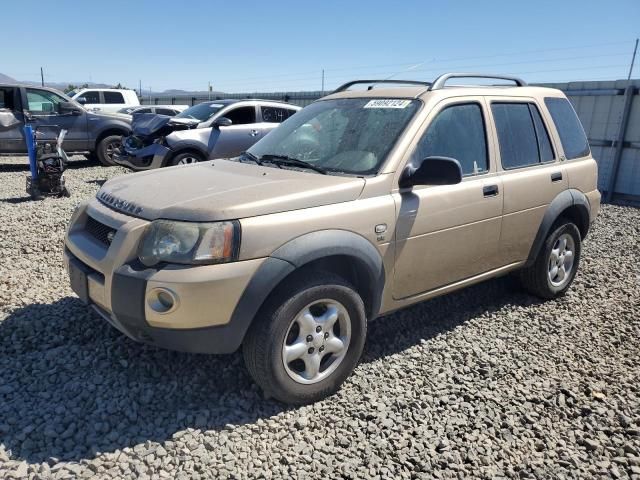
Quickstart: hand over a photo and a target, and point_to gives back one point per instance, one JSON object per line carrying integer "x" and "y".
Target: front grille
{"x": 101, "y": 232}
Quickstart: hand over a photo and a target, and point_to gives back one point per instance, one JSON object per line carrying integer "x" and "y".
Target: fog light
{"x": 162, "y": 300}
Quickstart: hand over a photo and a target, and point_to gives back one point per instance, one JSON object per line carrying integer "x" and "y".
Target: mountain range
{"x": 63, "y": 85}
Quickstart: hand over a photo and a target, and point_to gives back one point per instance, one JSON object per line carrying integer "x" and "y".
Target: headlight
{"x": 189, "y": 243}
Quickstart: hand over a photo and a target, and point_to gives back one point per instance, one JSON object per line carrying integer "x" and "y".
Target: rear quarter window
{"x": 113, "y": 97}
{"x": 574, "y": 141}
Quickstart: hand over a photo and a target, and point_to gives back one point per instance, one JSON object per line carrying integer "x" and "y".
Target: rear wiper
{"x": 294, "y": 162}
{"x": 251, "y": 157}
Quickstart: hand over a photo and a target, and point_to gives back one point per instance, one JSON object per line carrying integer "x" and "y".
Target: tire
{"x": 106, "y": 147}
{"x": 279, "y": 326}
{"x": 539, "y": 279}
{"x": 184, "y": 158}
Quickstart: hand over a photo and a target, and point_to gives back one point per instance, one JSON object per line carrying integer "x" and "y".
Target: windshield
{"x": 202, "y": 111}
{"x": 351, "y": 135}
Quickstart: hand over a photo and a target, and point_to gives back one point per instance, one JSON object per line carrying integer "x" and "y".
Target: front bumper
{"x": 121, "y": 290}
{"x": 145, "y": 158}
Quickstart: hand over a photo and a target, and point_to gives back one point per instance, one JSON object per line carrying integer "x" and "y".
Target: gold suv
{"x": 366, "y": 201}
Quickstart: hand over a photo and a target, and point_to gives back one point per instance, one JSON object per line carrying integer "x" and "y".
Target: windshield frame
{"x": 391, "y": 151}
{"x": 211, "y": 105}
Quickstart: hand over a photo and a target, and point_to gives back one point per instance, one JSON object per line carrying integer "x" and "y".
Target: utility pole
{"x": 140, "y": 88}
{"x": 42, "y": 73}
{"x": 209, "y": 90}
{"x": 633, "y": 59}
{"x": 323, "y": 82}
{"x": 149, "y": 95}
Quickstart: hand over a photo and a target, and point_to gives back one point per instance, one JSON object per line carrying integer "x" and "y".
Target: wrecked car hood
{"x": 145, "y": 124}
{"x": 224, "y": 190}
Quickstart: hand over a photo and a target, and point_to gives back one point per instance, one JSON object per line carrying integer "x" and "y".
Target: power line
{"x": 269, "y": 79}
{"x": 435, "y": 61}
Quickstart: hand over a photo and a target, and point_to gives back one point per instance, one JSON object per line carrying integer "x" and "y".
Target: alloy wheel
{"x": 561, "y": 260}
{"x": 111, "y": 148}
{"x": 187, "y": 160}
{"x": 317, "y": 341}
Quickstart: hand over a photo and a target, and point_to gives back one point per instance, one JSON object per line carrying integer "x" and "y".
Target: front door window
{"x": 42, "y": 102}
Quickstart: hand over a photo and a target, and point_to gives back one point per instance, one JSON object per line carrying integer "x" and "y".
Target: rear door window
{"x": 275, "y": 114}
{"x": 458, "y": 132}
{"x": 242, "y": 115}
{"x": 544, "y": 143}
{"x": 6, "y": 99}
{"x": 112, "y": 97}
{"x": 574, "y": 141}
{"x": 91, "y": 96}
{"x": 522, "y": 135}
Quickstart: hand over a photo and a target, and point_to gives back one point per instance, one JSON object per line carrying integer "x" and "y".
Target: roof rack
{"x": 439, "y": 82}
{"x": 344, "y": 87}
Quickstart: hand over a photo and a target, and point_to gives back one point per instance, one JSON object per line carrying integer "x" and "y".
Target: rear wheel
{"x": 557, "y": 263}
{"x": 185, "y": 158}
{"x": 307, "y": 340}
{"x": 107, "y": 147}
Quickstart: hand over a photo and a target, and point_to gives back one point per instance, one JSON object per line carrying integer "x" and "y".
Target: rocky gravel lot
{"x": 488, "y": 382}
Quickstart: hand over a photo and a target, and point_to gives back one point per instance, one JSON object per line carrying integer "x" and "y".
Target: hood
{"x": 107, "y": 116}
{"x": 145, "y": 124}
{"x": 224, "y": 190}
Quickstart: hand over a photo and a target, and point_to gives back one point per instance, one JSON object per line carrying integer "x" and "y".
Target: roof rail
{"x": 344, "y": 87}
{"x": 439, "y": 82}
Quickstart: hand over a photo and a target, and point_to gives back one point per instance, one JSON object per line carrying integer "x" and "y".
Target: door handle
{"x": 254, "y": 133}
{"x": 490, "y": 190}
{"x": 556, "y": 176}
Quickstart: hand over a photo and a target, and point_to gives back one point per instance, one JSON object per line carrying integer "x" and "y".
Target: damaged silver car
{"x": 209, "y": 130}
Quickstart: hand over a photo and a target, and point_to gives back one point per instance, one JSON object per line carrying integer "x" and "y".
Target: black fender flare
{"x": 299, "y": 252}
{"x": 566, "y": 199}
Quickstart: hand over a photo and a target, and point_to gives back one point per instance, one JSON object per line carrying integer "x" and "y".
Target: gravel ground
{"x": 487, "y": 382}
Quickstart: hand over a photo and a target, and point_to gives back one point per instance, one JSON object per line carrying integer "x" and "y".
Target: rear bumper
{"x": 146, "y": 158}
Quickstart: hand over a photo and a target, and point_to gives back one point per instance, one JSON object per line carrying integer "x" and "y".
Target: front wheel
{"x": 556, "y": 265}
{"x": 307, "y": 340}
{"x": 107, "y": 147}
{"x": 186, "y": 158}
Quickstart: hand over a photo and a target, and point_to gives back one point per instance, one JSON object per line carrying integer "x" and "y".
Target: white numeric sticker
{"x": 387, "y": 103}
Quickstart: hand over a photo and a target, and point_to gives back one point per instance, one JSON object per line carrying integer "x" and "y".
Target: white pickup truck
{"x": 105, "y": 100}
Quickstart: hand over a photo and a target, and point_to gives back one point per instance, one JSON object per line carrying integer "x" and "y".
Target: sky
{"x": 253, "y": 46}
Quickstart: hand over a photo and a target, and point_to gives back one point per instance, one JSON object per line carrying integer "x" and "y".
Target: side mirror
{"x": 432, "y": 171}
{"x": 222, "y": 122}
{"x": 81, "y": 100}
{"x": 69, "y": 107}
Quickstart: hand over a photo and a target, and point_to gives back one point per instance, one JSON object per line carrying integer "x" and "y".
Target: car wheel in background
{"x": 185, "y": 158}
{"x": 307, "y": 339}
{"x": 107, "y": 147}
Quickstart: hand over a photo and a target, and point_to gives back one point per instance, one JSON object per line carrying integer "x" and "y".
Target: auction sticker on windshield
{"x": 388, "y": 103}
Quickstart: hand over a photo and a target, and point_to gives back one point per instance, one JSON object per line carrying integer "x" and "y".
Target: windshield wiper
{"x": 251, "y": 156}
{"x": 294, "y": 162}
